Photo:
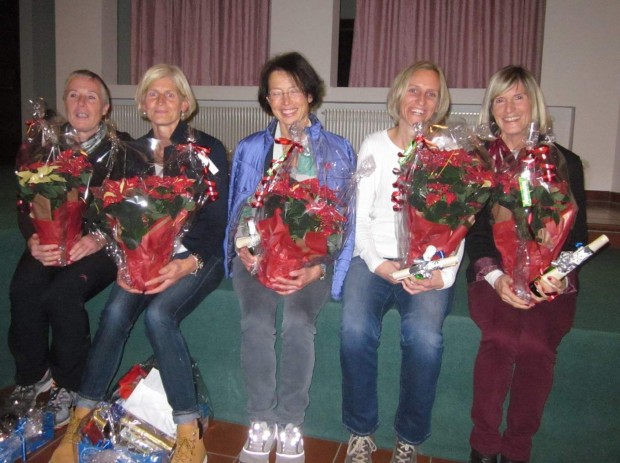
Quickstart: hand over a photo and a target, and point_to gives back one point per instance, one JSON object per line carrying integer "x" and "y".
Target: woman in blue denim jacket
{"x": 289, "y": 89}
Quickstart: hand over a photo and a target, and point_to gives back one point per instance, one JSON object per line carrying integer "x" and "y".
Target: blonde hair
{"x": 105, "y": 91}
{"x": 159, "y": 71}
{"x": 505, "y": 79}
{"x": 399, "y": 87}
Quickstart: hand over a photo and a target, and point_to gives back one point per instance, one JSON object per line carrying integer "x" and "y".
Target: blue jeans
{"x": 163, "y": 315}
{"x": 367, "y": 298}
{"x": 269, "y": 401}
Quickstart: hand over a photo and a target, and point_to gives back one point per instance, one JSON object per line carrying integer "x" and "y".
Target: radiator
{"x": 355, "y": 124}
{"x": 228, "y": 124}
{"x": 232, "y": 123}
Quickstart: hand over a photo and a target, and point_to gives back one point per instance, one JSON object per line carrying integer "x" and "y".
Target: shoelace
{"x": 60, "y": 397}
{"x": 404, "y": 452}
{"x": 360, "y": 447}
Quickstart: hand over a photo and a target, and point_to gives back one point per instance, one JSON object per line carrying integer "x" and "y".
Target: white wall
{"x": 581, "y": 65}
{"x": 581, "y": 68}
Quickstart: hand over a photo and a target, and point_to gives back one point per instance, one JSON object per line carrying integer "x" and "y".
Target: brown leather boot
{"x": 66, "y": 452}
{"x": 189, "y": 447}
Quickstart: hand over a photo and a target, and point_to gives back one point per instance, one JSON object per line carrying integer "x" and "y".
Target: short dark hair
{"x": 295, "y": 65}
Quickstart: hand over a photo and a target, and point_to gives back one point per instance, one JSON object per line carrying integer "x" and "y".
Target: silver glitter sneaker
{"x": 290, "y": 446}
{"x": 261, "y": 440}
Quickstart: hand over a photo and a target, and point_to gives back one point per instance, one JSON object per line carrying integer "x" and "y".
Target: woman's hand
{"x": 549, "y": 287}
{"x": 47, "y": 254}
{"x": 86, "y": 246}
{"x": 414, "y": 286}
{"x": 503, "y": 286}
{"x": 299, "y": 279}
{"x": 385, "y": 270}
{"x": 248, "y": 260}
{"x": 171, "y": 273}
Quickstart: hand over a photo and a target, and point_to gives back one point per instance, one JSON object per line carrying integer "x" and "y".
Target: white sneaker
{"x": 360, "y": 449}
{"x": 290, "y": 448}
{"x": 260, "y": 442}
{"x": 60, "y": 403}
{"x": 404, "y": 453}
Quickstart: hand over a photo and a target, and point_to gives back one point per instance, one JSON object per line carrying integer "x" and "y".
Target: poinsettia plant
{"x": 144, "y": 217}
{"x": 443, "y": 181}
{"x": 533, "y": 210}
{"x": 52, "y": 178}
{"x": 146, "y": 214}
{"x": 299, "y": 212}
{"x": 55, "y": 178}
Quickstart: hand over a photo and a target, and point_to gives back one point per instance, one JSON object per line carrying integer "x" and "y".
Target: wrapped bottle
{"x": 568, "y": 261}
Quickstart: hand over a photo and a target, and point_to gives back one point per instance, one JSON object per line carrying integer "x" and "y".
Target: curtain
{"x": 469, "y": 39}
{"x": 214, "y": 42}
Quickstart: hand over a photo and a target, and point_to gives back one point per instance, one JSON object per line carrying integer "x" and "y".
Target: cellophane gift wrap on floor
{"x": 149, "y": 210}
{"x": 53, "y": 175}
{"x": 20, "y": 436}
{"x": 300, "y": 214}
{"x": 113, "y": 433}
{"x": 533, "y": 209}
{"x": 444, "y": 178}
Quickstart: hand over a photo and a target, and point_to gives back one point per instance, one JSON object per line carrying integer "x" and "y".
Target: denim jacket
{"x": 248, "y": 168}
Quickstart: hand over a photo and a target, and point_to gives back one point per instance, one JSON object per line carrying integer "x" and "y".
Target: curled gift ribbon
{"x": 273, "y": 170}
{"x": 202, "y": 153}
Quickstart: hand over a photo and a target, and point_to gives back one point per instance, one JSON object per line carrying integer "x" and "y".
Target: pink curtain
{"x": 469, "y": 39}
{"x": 215, "y": 42}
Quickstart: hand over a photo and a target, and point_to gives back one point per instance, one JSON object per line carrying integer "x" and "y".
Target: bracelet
{"x": 199, "y": 264}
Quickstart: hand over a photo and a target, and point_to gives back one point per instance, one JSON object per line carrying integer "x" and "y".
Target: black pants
{"x": 54, "y": 297}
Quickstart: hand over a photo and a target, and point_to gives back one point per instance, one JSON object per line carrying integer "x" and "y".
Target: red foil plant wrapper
{"x": 147, "y": 214}
{"x": 53, "y": 174}
{"x": 298, "y": 216}
{"x": 533, "y": 209}
{"x": 443, "y": 180}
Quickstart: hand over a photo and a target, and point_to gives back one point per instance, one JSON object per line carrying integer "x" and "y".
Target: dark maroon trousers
{"x": 517, "y": 355}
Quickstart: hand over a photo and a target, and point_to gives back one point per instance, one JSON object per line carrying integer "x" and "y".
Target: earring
{"x": 182, "y": 115}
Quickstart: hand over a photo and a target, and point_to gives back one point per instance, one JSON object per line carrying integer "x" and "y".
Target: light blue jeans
{"x": 163, "y": 315}
{"x": 269, "y": 401}
{"x": 367, "y": 298}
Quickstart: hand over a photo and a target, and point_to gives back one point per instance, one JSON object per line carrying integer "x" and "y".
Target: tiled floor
{"x": 224, "y": 441}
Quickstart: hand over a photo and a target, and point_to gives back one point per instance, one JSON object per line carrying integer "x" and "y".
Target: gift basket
{"x": 136, "y": 425}
{"x": 444, "y": 178}
{"x": 298, "y": 216}
{"x": 147, "y": 211}
{"x": 533, "y": 209}
{"x": 53, "y": 175}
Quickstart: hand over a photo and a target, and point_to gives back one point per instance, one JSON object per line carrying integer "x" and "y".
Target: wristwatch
{"x": 199, "y": 264}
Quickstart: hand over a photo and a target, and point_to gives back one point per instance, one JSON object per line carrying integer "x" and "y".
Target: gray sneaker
{"x": 359, "y": 449}
{"x": 26, "y": 396}
{"x": 404, "y": 453}
{"x": 61, "y": 402}
{"x": 290, "y": 447}
{"x": 260, "y": 442}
